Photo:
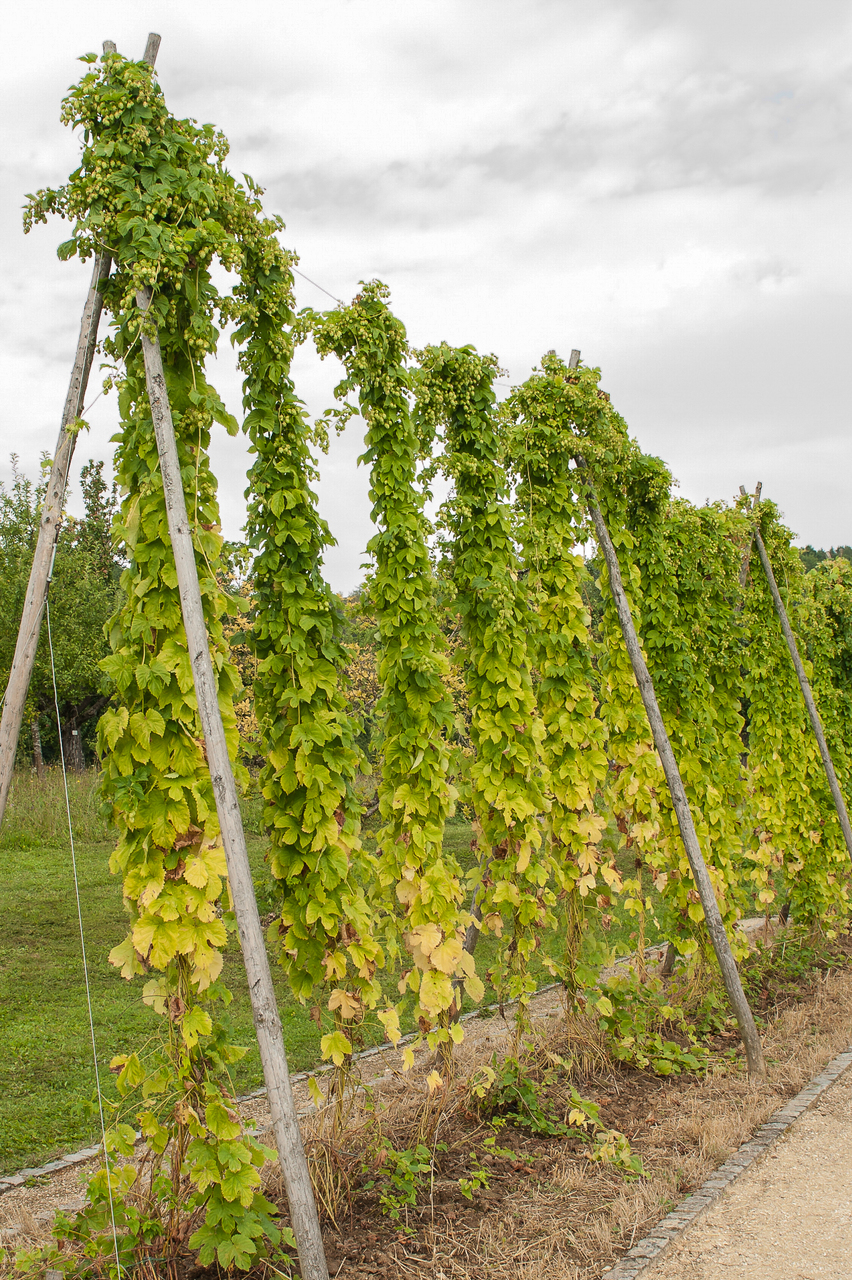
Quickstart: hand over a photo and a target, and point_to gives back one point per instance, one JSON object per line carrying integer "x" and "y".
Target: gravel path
{"x": 788, "y": 1217}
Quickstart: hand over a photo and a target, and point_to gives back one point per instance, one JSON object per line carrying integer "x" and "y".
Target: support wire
{"x": 82, "y": 935}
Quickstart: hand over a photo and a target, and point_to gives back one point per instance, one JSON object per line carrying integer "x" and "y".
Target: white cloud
{"x": 663, "y": 183}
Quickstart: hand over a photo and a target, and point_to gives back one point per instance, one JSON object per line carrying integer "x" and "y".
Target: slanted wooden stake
{"x": 712, "y": 915}
{"x": 816, "y": 722}
{"x": 48, "y": 532}
{"x": 288, "y": 1139}
{"x": 51, "y": 516}
{"x": 747, "y": 553}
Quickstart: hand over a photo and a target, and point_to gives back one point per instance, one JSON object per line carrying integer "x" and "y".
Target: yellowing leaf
{"x": 446, "y": 956}
{"x": 348, "y": 1003}
{"x": 474, "y": 987}
{"x": 389, "y": 1018}
{"x": 220, "y": 1121}
{"x": 436, "y": 993}
{"x": 336, "y": 1046}
{"x": 125, "y": 958}
{"x": 154, "y": 993}
{"x": 194, "y": 1024}
{"x": 195, "y": 872}
{"x": 406, "y": 892}
{"x": 335, "y": 965}
{"x": 587, "y": 859}
{"x": 421, "y": 942}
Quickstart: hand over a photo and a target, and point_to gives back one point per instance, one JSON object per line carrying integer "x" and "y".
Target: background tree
{"x": 83, "y": 594}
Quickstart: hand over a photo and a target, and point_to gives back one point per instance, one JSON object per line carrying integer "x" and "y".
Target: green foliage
{"x": 825, "y": 626}
{"x": 455, "y": 392}
{"x": 774, "y": 975}
{"x": 398, "y": 1175}
{"x": 415, "y": 795}
{"x": 689, "y": 561}
{"x": 792, "y": 825}
{"x": 507, "y": 1090}
{"x": 480, "y": 1177}
{"x": 312, "y": 810}
{"x": 520, "y": 1091}
{"x": 83, "y": 594}
{"x": 634, "y": 1013}
{"x": 154, "y": 192}
{"x": 542, "y": 421}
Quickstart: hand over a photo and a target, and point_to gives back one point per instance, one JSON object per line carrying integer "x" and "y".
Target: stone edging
{"x": 669, "y": 1229}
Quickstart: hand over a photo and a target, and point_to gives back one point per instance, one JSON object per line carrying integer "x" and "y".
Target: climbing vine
{"x": 455, "y": 393}
{"x": 415, "y": 793}
{"x": 794, "y": 827}
{"x": 325, "y": 935}
{"x": 153, "y": 192}
{"x": 540, "y": 440}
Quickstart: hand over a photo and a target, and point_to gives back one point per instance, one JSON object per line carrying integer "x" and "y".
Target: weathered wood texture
{"x": 755, "y": 502}
{"x": 288, "y": 1139}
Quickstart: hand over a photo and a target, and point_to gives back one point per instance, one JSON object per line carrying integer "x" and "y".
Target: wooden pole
{"x": 51, "y": 515}
{"x": 288, "y": 1138}
{"x": 712, "y": 915}
{"x": 48, "y": 532}
{"x": 816, "y": 722}
{"x": 747, "y": 553}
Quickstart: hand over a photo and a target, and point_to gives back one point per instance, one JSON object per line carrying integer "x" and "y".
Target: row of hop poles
{"x": 266, "y": 1018}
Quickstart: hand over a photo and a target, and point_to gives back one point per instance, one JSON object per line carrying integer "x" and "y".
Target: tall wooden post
{"x": 804, "y": 685}
{"x": 712, "y": 915}
{"x": 755, "y": 502}
{"x": 288, "y": 1139}
{"x": 51, "y": 516}
{"x": 48, "y": 532}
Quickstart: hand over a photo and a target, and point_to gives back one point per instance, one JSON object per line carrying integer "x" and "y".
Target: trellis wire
{"x": 80, "y": 923}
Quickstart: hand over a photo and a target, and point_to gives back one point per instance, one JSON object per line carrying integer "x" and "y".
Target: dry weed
{"x": 573, "y": 1218}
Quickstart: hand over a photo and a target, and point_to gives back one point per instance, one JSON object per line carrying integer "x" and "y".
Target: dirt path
{"x": 786, "y": 1218}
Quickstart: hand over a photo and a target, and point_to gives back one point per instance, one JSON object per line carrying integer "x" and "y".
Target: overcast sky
{"x": 664, "y": 184}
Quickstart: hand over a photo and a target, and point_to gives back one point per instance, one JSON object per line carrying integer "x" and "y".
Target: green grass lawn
{"x": 46, "y": 1072}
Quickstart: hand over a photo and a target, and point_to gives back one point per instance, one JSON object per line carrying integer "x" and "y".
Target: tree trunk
{"x": 72, "y": 748}
{"x": 38, "y": 758}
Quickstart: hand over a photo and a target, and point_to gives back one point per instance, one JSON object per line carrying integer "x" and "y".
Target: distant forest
{"x": 811, "y": 556}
